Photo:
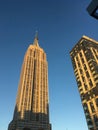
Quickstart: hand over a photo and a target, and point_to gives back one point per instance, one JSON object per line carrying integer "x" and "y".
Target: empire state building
{"x": 32, "y": 104}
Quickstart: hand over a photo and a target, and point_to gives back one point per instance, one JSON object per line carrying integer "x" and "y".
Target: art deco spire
{"x": 36, "y": 40}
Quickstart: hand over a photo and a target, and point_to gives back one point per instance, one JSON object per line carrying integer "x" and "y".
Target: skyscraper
{"x": 84, "y": 58}
{"x": 32, "y": 106}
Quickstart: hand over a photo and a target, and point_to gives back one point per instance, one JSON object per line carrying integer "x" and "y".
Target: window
{"x": 96, "y": 100}
{"x": 40, "y": 129}
{"x": 83, "y": 78}
{"x": 92, "y": 106}
{"x": 85, "y": 86}
{"x": 82, "y": 60}
{"x": 81, "y": 71}
{"x": 80, "y": 54}
{"x": 96, "y": 120}
{"x": 26, "y": 128}
{"x": 87, "y": 74}
{"x": 79, "y": 83}
{"x": 90, "y": 83}
{"x": 85, "y": 68}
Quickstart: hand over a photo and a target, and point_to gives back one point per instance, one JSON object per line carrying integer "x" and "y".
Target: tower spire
{"x": 36, "y": 39}
{"x": 36, "y": 35}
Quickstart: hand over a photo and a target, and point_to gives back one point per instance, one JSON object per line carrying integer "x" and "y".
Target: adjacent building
{"x": 32, "y": 103}
{"x": 84, "y": 58}
{"x": 93, "y": 8}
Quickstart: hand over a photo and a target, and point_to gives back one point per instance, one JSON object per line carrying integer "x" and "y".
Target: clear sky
{"x": 60, "y": 25}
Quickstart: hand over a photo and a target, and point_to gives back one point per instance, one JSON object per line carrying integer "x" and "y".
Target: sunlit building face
{"x": 32, "y": 106}
{"x": 84, "y": 58}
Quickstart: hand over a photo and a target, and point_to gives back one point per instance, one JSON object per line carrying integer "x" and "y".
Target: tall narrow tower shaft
{"x": 32, "y": 106}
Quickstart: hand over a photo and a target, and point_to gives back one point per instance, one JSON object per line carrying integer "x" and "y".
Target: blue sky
{"x": 60, "y": 24}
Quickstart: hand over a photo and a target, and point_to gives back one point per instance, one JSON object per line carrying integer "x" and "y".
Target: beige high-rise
{"x": 32, "y": 106}
{"x": 85, "y": 63}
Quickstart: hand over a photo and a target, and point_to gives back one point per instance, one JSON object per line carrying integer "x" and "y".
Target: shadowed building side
{"x": 32, "y": 106}
{"x": 84, "y": 58}
{"x": 93, "y": 8}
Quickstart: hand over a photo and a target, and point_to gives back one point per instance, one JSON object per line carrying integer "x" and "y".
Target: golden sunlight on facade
{"x": 84, "y": 58}
{"x": 32, "y": 106}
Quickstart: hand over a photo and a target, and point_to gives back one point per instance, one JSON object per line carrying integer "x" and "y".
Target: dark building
{"x": 93, "y": 8}
{"x": 84, "y": 58}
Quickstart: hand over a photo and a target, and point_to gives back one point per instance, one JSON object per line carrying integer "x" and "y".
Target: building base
{"x": 25, "y": 125}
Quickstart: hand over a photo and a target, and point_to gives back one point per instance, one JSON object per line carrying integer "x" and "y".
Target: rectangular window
{"x": 85, "y": 86}
{"x": 96, "y": 100}
{"x": 92, "y": 107}
{"x": 85, "y": 68}
{"x": 87, "y": 74}
{"x": 95, "y": 120}
{"x": 90, "y": 83}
